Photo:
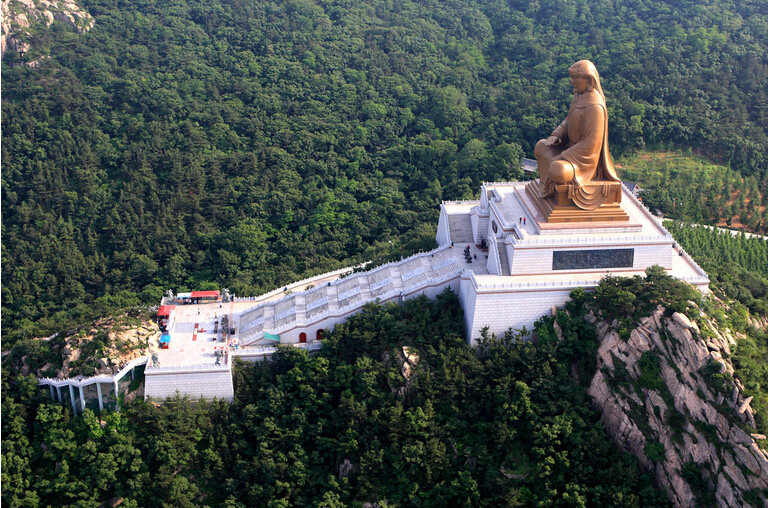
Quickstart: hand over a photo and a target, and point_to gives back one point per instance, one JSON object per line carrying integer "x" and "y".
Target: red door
{"x": 302, "y": 337}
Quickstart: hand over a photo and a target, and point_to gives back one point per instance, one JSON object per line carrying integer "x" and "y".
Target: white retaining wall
{"x": 428, "y": 273}
{"x": 259, "y": 353}
{"x": 467, "y": 299}
{"x": 493, "y": 265}
{"x": 479, "y": 219}
{"x": 196, "y": 381}
{"x": 509, "y": 306}
{"x": 443, "y": 229}
{"x": 290, "y": 335}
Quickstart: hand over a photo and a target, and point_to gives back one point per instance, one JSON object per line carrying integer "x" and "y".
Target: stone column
{"x": 72, "y": 397}
{"x": 98, "y": 391}
{"x": 82, "y": 399}
{"x": 117, "y": 398}
{"x": 53, "y": 393}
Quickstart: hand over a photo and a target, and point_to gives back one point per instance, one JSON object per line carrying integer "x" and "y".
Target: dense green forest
{"x": 737, "y": 266}
{"x": 504, "y": 424}
{"x": 195, "y": 144}
{"x": 738, "y": 271}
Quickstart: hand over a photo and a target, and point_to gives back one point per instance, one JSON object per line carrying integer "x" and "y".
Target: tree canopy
{"x": 504, "y": 424}
{"x": 248, "y": 143}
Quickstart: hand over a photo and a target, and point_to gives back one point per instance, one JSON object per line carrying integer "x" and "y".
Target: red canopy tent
{"x": 165, "y": 316}
{"x": 206, "y": 294}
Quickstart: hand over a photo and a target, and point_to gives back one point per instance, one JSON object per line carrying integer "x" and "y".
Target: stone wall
{"x": 443, "y": 231}
{"x": 291, "y": 335}
{"x": 331, "y": 303}
{"x": 502, "y": 308}
{"x": 467, "y": 299}
{"x": 206, "y": 381}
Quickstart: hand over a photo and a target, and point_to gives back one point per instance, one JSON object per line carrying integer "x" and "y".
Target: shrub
{"x": 650, "y": 371}
{"x": 654, "y": 451}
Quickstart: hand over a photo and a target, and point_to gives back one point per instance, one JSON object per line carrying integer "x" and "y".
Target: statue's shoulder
{"x": 597, "y": 107}
{"x": 588, "y": 100}
{"x": 595, "y": 110}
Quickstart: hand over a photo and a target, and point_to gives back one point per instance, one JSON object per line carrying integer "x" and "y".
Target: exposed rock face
{"x": 410, "y": 360}
{"x": 20, "y": 16}
{"x": 666, "y": 396}
{"x": 407, "y": 359}
{"x": 346, "y": 468}
{"x": 137, "y": 394}
{"x": 119, "y": 345}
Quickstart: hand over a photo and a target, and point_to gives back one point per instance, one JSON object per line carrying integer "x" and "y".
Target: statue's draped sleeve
{"x": 586, "y": 130}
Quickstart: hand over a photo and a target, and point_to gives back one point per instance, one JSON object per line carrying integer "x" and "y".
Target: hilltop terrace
{"x": 506, "y": 263}
{"x": 511, "y": 251}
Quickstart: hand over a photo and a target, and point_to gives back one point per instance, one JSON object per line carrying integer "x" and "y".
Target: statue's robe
{"x": 584, "y": 135}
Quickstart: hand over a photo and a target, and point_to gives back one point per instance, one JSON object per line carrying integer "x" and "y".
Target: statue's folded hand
{"x": 553, "y": 140}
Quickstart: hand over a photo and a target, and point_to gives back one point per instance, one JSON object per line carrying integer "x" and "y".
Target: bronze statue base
{"x": 560, "y": 209}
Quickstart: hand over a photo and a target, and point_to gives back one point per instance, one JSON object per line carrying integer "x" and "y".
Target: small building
{"x": 633, "y": 188}
{"x": 206, "y": 296}
{"x": 529, "y": 166}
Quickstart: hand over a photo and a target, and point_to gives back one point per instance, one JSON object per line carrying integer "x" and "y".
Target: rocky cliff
{"x": 667, "y": 395}
{"x": 103, "y": 348}
{"x": 21, "y": 18}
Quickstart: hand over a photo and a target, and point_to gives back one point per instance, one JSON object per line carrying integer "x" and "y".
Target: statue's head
{"x": 586, "y": 69}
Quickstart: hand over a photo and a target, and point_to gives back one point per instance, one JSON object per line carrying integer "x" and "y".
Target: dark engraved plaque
{"x": 583, "y": 259}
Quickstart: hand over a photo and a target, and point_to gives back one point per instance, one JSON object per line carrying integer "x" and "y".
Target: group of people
{"x": 468, "y": 254}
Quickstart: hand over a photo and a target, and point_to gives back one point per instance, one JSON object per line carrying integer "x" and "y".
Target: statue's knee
{"x": 538, "y": 151}
{"x": 561, "y": 172}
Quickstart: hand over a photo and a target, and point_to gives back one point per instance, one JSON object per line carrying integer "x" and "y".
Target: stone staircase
{"x": 461, "y": 228}
{"x": 503, "y": 261}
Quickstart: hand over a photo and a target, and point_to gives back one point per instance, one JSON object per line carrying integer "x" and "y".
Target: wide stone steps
{"x": 461, "y": 228}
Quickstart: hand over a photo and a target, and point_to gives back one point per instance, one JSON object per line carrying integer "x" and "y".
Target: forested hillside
{"x": 693, "y": 189}
{"x": 737, "y": 265}
{"x": 502, "y": 425}
{"x": 184, "y": 144}
{"x": 395, "y": 409}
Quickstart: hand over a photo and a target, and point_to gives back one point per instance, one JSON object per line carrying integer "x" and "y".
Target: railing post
{"x": 98, "y": 392}
{"x": 72, "y": 399}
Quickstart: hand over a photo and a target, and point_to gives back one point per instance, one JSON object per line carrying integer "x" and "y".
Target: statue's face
{"x": 580, "y": 84}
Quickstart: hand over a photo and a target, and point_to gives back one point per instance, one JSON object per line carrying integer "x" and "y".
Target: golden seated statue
{"x": 577, "y": 180}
